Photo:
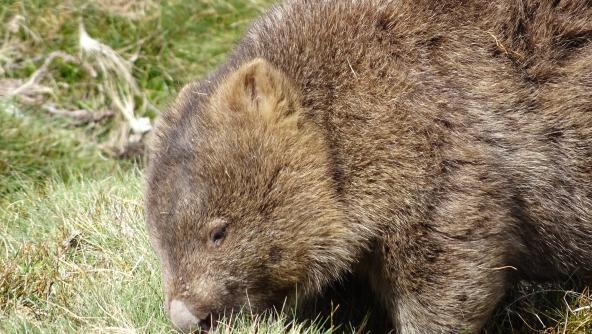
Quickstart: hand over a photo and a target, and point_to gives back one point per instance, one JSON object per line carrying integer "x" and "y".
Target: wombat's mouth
{"x": 202, "y": 326}
{"x": 207, "y": 324}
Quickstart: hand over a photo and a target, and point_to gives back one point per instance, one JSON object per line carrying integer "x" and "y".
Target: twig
{"x": 79, "y": 115}
{"x": 583, "y": 308}
{"x": 37, "y": 75}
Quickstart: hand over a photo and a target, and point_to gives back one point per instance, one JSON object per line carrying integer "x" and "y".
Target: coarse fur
{"x": 439, "y": 149}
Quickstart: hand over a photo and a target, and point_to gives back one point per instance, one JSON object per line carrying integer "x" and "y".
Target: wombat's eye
{"x": 217, "y": 235}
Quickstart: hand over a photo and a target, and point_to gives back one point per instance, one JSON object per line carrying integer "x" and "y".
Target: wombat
{"x": 440, "y": 150}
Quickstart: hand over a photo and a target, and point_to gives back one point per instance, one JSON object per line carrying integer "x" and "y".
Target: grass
{"x": 74, "y": 255}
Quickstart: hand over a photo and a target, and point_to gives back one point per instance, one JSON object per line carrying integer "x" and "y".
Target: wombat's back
{"x": 422, "y": 90}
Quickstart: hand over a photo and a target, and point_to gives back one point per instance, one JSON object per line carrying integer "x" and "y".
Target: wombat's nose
{"x": 184, "y": 320}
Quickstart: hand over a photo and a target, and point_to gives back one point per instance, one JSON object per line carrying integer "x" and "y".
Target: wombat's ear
{"x": 259, "y": 87}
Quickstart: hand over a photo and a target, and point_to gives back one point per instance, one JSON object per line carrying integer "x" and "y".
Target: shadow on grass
{"x": 347, "y": 307}
{"x": 350, "y": 307}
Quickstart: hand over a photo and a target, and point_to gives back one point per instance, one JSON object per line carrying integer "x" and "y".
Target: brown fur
{"x": 444, "y": 145}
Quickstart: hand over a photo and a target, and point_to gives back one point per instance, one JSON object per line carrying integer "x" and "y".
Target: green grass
{"x": 74, "y": 256}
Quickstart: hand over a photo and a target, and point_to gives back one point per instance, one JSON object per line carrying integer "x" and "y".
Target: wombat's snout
{"x": 186, "y": 321}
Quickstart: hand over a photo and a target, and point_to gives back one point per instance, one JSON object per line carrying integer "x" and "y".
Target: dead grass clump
{"x": 32, "y": 91}
{"x": 544, "y": 308}
{"x": 120, "y": 86}
{"x": 578, "y": 314}
{"x": 118, "y": 96}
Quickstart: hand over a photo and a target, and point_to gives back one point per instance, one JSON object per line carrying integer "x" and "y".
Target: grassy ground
{"x": 74, "y": 256}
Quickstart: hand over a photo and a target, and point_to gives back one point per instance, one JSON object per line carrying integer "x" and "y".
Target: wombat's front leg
{"x": 455, "y": 293}
{"x": 443, "y": 281}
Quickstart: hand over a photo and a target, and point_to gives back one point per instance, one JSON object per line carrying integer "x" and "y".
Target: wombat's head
{"x": 241, "y": 203}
